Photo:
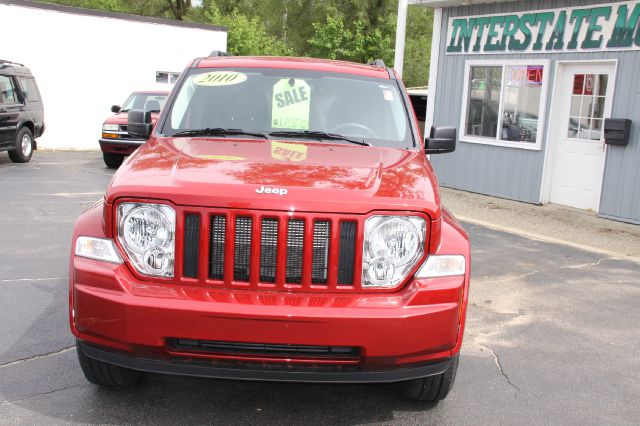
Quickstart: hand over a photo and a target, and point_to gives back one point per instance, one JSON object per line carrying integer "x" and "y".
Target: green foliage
{"x": 331, "y": 40}
{"x": 355, "y": 30}
{"x": 334, "y": 41}
{"x": 417, "y": 50}
{"x": 156, "y": 8}
{"x": 246, "y": 36}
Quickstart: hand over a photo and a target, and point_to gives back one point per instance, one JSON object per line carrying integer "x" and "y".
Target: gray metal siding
{"x": 517, "y": 173}
{"x": 621, "y": 185}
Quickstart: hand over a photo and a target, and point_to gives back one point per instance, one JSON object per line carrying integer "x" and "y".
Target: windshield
{"x": 145, "y": 101}
{"x": 287, "y": 103}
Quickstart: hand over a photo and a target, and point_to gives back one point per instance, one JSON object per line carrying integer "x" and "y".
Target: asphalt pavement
{"x": 552, "y": 334}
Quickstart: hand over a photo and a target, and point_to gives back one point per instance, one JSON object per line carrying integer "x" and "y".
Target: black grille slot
{"x": 217, "y": 236}
{"x": 191, "y": 245}
{"x": 295, "y": 251}
{"x": 347, "y": 252}
{"x": 267, "y": 349}
{"x": 242, "y": 253}
{"x": 268, "y": 250}
{"x": 321, "y": 242}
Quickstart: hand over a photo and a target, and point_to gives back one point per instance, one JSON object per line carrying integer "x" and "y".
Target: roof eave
{"x": 453, "y": 3}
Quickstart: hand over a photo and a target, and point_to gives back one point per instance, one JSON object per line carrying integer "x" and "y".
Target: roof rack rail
{"x": 4, "y": 61}
{"x": 377, "y": 63}
{"x": 217, "y": 53}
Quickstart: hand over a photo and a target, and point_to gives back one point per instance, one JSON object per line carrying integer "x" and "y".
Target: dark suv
{"x": 21, "y": 111}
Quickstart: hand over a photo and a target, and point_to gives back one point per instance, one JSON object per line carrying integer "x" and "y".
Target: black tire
{"x": 23, "y": 151}
{"x": 113, "y": 161}
{"x": 432, "y": 388}
{"x": 107, "y": 375}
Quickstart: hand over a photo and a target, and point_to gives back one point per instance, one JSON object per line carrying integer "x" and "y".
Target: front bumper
{"x": 120, "y": 146}
{"x": 401, "y": 333}
{"x": 260, "y": 372}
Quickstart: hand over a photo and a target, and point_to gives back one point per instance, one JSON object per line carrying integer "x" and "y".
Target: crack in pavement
{"x": 586, "y": 265}
{"x": 42, "y": 393}
{"x": 31, "y": 358}
{"x": 499, "y": 365}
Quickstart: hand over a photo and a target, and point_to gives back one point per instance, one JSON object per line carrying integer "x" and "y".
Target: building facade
{"x": 541, "y": 92}
{"x": 87, "y": 60}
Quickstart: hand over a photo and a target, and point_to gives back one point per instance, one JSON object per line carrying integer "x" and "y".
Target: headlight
{"x": 97, "y": 248}
{"x": 110, "y": 127}
{"x": 147, "y": 233}
{"x": 392, "y": 247}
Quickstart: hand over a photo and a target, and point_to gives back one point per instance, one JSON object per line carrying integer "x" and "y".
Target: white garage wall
{"x": 84, "y": 64}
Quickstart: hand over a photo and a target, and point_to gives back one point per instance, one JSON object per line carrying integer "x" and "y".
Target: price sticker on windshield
{"x": 220, "y": 78}
{"x": 291, "y": 104}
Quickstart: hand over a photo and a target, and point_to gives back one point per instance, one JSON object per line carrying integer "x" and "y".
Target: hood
{"x": 122, "y": 118}
{"x": 278, "y": 175}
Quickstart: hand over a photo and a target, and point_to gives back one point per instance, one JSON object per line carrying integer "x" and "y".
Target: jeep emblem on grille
{"x": 268, "y": 190}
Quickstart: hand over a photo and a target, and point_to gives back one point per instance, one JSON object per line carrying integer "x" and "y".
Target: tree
{"x": 417, "y": 53}
{"x": 331, "y": 40}
{"x": 179, "y": 8}
{"x": 246, "y": 36}
{"x": 334, "y": 41}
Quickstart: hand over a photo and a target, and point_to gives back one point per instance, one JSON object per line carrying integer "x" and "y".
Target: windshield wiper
{"x": 219, "y": 131}
{"x": 318, "y": 135}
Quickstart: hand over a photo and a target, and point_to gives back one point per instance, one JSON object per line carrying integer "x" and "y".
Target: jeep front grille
{"x": 270, "y": 250}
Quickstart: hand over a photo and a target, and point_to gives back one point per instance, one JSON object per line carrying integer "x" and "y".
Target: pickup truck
{"x": 116, "y": 142}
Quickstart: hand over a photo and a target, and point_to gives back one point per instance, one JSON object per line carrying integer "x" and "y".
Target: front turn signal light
{"x": 442, "y": 266}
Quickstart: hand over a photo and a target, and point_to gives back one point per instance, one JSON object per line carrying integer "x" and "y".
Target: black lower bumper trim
{"x": 275, "y": 373}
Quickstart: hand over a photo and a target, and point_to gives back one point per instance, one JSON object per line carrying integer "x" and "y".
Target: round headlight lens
{"x": 392, "y": 247}
{"x": 146, "y": 227}
{"x": 395, "y": 239}
{"x": 380, "y": 271}
{"x": 147, "y": 234}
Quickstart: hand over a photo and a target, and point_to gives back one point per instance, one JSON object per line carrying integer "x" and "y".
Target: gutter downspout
{"x": 433, "y": 67}
{"x": 401, "y": 31}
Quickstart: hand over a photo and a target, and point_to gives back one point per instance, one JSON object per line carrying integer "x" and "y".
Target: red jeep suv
{"x": 282, "y": 223}
{"x": 116, "y": 142}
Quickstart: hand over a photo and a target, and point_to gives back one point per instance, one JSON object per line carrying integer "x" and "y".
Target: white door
{"x": 582, "y": 97}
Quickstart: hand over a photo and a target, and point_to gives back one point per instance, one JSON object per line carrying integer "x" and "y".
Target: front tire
{"x": 432, "y": 388}
{"x": 24, "y": 146}
{"x": 107, "y": 375}
{"x": 113, "y": 161}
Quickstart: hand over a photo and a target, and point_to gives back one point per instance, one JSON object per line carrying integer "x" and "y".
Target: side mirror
{"x": 115, "y": 109}
{"x": 139, "y": 123}
{"x": 441, "y": 140}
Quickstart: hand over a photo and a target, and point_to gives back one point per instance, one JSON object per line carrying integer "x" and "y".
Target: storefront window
{"x": 504, "y": 104}
{"x": 484, "y": 101}
{"x": 521, "y": 100}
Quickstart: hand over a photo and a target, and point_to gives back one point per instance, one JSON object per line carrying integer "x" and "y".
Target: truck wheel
{"x": 113, "y": 161}
{"x": 108, "y": 375}
{"x": 24, "y": 146}
{"x": 432, "y": 388}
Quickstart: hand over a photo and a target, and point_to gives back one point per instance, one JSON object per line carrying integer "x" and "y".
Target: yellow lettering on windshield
{"x": 220, "y": 78}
